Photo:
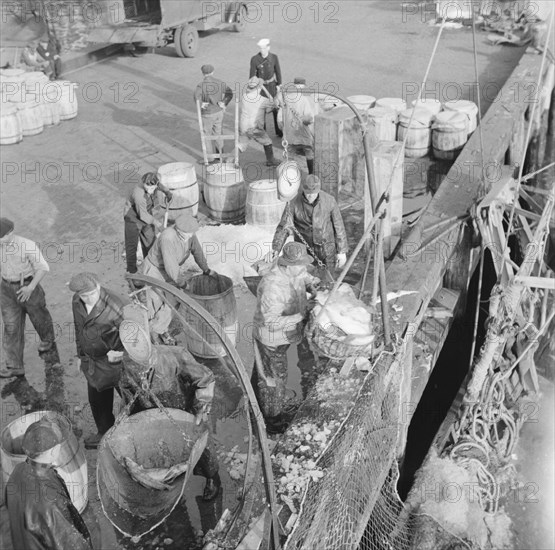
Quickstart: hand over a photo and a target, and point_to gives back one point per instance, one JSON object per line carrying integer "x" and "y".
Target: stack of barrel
{"x": 31, "y": 102}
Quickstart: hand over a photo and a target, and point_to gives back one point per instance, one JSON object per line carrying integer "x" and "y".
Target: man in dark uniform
{"x": 265, "y": 65}
{"x": 42, "y": 516}
{"x": 49, "y": 49}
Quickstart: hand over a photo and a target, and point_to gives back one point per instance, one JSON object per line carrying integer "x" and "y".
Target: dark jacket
{"x": 268, "y": 69}
{"x": 42, "y": 516}
{"x": 177, "y": 379}
{"x": 96, "y": 333}
{"x": 212, "y": 90}
{"x": 141, "y": 207}
{"x": 320, "y": 224}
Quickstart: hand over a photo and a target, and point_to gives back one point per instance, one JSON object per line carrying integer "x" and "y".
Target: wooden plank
{"x": 384, "y": 156}
{"x": 338, "y": 152}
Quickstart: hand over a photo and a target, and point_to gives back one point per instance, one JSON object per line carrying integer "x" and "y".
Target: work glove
{"x": 270, "y": 256}
{"x": 114, "y": 356}
{"x": 203, "y": 411}
{"x": 169, "y": 196}
{"x": 307, "y": 120}
{"x": 210, "y": 273}
{"x": 341, "y": 260}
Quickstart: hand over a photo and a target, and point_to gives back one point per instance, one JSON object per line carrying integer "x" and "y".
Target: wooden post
{"x": 384, "y": 156}
{"x": 339, "y": 152}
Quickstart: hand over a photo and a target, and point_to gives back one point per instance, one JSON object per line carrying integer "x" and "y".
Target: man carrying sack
{"x": 97, "y": 314}
{"x": 281, "y": 310}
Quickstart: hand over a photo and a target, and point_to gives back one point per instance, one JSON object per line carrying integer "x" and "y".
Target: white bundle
{"x": 347, "y": 313}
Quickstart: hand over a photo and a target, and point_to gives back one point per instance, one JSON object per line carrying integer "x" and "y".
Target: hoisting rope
{"x": 535, "y": 102}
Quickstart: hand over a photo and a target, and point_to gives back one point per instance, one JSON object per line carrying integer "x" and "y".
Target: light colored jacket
{"x": 298, "y": 108}
{"x": 253, "y": 110}
{"x": 280, "y": 296}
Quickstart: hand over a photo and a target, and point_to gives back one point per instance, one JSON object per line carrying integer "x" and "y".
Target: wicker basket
{"x": 327, "y": 342}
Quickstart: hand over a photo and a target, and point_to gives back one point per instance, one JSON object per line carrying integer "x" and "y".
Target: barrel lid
{"x": 172, "y": 168}
{"x": 6, "y": 74}
{"x": 462, "y": 105}
{"x": 328, "y": 102}
{"x": 396, "y": 103}
{"x": 263, "y": 185}
{"x": 450, "y": 119}
{"x": 9, "y": 109}
{"x": 365, "y": 100}
{"x": 422, "y": 117}
{"x": 136, "y": 341}
{"x": 433, "y": 105}
{"x": 379, "y": 112}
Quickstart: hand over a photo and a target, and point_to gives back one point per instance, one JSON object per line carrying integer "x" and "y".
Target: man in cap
{"x": 281, "y": 309}
{"x": 253, "y": 112}
{"x": 41, "y": 514}
{"x": 22, "y": 268}
{"x": 165, "y": 262}
{"x": 139, "y": 217}
{"x": 314, "y": 216}
{"x": 179, "y": 382}
{"x": 297, "y": 113}
{"x": 97, "y": 314}
{"x": 265, "y": 65}
{"x": 214, "y": 95}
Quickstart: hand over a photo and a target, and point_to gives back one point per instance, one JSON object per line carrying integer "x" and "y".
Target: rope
{"x": 528, "y": 134}
{"x": 530, "y": 176}
{"x": 479, "y": 99}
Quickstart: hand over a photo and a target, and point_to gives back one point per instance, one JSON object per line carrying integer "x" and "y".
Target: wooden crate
{"x": 339, "y": 152}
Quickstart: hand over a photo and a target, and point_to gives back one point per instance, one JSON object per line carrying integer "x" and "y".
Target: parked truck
{"x": 156, "y": 23}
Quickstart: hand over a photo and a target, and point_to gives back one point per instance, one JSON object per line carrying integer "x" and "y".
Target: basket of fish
{"x": 344, "y": 328}
{"x": 144, "y": 463}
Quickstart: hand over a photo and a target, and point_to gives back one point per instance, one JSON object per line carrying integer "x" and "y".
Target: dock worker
{"x": 214, "y": 96}
{"x": 40, "y": 511}
{"x": 254, "y": 105}
{"x": 165, "y": 262}
{"x": 179, "y": 382}
{"x": 44, "y": 55}
{"x": 313, "y": 217}
{"x": 97, "y": 314}
{"x": 281, "y": 310}
{"x": 265, "y": 65}
{"x": 22, "y": 268}
{"x": 139, "y": 215}
{"x": 297, "y": 114}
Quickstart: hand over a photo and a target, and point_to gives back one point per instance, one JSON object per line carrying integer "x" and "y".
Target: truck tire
{"x": 186, "y": 41}
{"x": 240, "y": 19}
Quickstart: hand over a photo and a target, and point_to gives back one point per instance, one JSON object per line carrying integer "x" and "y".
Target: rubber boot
{"x": 279, "y": 133}
{"x": 310, "y": 165}
{"x": 270, "y": 159}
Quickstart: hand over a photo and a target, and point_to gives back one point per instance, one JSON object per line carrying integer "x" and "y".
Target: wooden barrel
{"x": 449, "y": 134}
{"x": 11, "y": 83}
{"x": 419, "y": 137}
{"x": 128, "y": 454}
{"x": 34, "y": 82}
{"x": 181, "y": 179}
{"x": 468, "y": 108}
{"x": 215, "y": 294}
{"x": 327, "y": 102}
{"x": 64, "y": 93}
{"x": 10, "y": 131}
{"x": 433, "y": 105}
{"x": 264, "y": 208}
{"x": 382, "y": 124}
{"x": 74, "y": 465}
{"x": 29, "y": 113}
{"x": 396, "y": 103}
{"x": 225, "y": 192}
{"x": 362, "y": 102}
{"x": 50, "y": 113}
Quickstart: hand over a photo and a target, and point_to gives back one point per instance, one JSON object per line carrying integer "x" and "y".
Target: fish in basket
{"x": 144, "y": 463}
{"x": 344, "y": 327}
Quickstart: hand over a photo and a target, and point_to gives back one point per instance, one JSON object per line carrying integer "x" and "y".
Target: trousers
{"x": 212, "y": 124}
{"x": 14, "y": 315}
{"x": 134, "y": 233}
{"x": 102, "y": 404}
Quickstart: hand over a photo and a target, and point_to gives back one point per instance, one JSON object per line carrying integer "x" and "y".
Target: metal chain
{"x": 310, "y": 250}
